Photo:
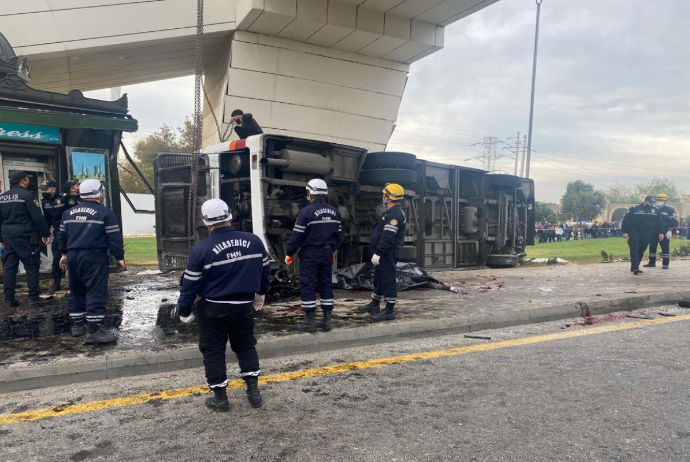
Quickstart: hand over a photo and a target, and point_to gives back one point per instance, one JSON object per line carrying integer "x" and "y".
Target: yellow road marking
{"x": 47, "y": 413}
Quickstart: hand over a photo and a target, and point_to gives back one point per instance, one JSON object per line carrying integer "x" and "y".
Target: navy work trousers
{"x": 56, "y": 272}
{"x": 665, "y": 249}
{"x": 88, "y": 284}
{"x": 638, "y": 243}
{"x": 385, "y": 286}
{"x": 218, "y": 323}
{"x": 316, "y": 269}
{"x": 27, "y": 251}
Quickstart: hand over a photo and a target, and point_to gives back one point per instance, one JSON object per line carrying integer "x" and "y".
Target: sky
{"x": 612, "y": 99}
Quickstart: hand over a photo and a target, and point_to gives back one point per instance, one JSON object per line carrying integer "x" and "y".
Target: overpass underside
{"x": 326, "y": 69}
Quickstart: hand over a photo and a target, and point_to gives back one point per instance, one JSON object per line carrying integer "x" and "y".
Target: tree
{"x": 543, "y": 214}
{"x": 632, "y": 194}
{"x": 165, "y": 139}
{"x": 582, "y": 201}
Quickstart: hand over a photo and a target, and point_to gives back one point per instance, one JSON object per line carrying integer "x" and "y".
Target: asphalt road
{"x": 610, "y": 396}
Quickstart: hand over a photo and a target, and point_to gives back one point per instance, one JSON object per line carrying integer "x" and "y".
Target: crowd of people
{"x": 566, "y": 231}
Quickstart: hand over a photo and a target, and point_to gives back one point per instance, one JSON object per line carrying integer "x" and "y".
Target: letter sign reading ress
{"x": 29, "y": 133}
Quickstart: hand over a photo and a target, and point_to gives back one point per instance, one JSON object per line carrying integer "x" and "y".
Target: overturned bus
{"x": 457, "y": 216}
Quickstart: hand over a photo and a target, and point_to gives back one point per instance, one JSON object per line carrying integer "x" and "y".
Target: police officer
{"x": 638, "y": 225}
{"x": 667, "y": 215}
{"x": 87, "y": 232}
{"x": 317, "y": 235}
{"x": 22, "y": 228}
{"x": 230, "y": 271}
{"x": 53, "y": 207}
{"x": 387, "y": 240}
{"x": 70, "y": 193}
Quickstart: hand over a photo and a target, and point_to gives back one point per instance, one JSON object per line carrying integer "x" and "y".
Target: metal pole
{"x": 524, "y": 154}
{"x": 534, "y": 81}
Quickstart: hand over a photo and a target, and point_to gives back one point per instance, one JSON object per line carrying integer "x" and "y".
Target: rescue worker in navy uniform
{"x": 246, "y": 124}
{"x": 53, "y": 207}
{"x": 638, "y": 225}
{"x": 387, "y": 239}
{"x": 230, "y": 270}
{"x": 87, "y": 232}
{"x": 667, "y": 215}
{"x": 317, "y": 235}
{"x": 70, "y": 193}
{"x": 22, "y": 228}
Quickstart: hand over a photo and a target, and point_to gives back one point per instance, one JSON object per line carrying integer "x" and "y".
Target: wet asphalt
{"x": 617, "y": 396}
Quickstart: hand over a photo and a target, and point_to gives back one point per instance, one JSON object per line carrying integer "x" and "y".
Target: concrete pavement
{"x": 488, "y": 299}
{"x": 609, "y": 396}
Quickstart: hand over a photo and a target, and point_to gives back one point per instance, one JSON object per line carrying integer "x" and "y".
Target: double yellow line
{"x": 124, "y": 401}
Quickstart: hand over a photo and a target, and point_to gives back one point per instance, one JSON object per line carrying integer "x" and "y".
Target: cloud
{"x": 612, "y": 99}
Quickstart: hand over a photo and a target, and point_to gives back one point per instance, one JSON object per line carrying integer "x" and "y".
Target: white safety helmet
{"x": 215, "y": 211}
{"x": 317, "y": 187}
{"x": 90, "y": 189}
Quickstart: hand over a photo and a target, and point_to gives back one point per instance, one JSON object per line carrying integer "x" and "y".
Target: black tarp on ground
{"x": 361, "y": 277}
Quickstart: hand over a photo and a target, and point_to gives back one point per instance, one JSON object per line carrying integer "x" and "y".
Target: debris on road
{"x": 478, "y": 337}
{"x": 639, "y": 316}
{"x": 661, "y": 313}
{"x": 684, "y": 303}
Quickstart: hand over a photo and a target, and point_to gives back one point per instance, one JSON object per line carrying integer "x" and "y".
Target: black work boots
{"x": 326, "y": 322}
{"x": 39, "y": 302}
{"x": 371, "y": 307}
{"x": 78, "y": 328}
{"x": 219, "y": 401}
{"x": 308, "y": 324}
{"x": 386, "y": 315}
{"x": 55, "y": 287}
{"x": 97, "y": 336}
{"x": 253, "y": 393}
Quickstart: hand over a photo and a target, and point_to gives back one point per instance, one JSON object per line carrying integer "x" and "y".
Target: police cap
{"x": 48, "y": 184}
{"x": 18, "y": 175}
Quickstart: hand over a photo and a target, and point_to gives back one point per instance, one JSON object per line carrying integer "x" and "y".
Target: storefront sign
{"x": 31, "y": 133}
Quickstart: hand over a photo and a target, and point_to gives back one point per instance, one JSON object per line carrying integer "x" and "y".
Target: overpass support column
{"x": 305, "y": 90}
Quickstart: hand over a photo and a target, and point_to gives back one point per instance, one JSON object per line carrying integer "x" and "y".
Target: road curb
{"x": 125, "y": 364}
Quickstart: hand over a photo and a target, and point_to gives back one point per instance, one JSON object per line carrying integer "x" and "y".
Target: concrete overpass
{"x": 327, "y": 69}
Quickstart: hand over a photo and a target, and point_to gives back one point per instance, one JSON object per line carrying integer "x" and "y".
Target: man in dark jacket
{"x": 70, "y": 193}
{"x": 667, "y": 215}
{"x": 246, "y": 124}
{"x": 87, "y": 232}
{"x": 230, "y": 270}
{"x": 317, "y": 235}
{"x": 387, "y": 239}
{"x": 638, "y": 225}
{"x": 53, "y": 207}
{"x": 22, "y": 228}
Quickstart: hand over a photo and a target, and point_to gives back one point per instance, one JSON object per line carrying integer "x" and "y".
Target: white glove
{"x": 669, "y": 235}
{"x": 375, "y": 259}
{"x": 63, "y": 263}
{"x": 187, "y": 320}
{"x": 259, "y": 302}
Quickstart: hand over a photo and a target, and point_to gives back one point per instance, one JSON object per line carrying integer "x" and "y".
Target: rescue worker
{"x": 387, "y": 240}
{"x": 667, "y": 215}
{"x": 230, "y": 271}
{"x": 638, "y": 224}
{"x": 246, "y": 124}
{"x": 317, "y": 235}
{"x": 53, "y": 207}
{"x": 70, "y": 193}
{"x": 87, "y": 232}
{"x": 22, "y": 228}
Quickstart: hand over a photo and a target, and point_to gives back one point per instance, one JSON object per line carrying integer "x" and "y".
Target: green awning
{"x": 66, "y": 120}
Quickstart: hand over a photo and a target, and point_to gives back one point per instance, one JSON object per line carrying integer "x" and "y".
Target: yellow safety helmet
{"x": 662, "y": 197}
{"x": 395, "y": 192}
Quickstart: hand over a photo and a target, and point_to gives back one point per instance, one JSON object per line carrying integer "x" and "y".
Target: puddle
{"x": 139, "y": 308}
